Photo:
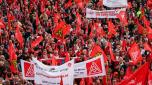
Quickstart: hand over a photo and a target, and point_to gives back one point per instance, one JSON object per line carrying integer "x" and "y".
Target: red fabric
{"x": 36, "y": 42}
{"x": 68, "y": 4}
{"x": 111, "y": 28}
{"x": 78, "y": 19}
{"x": 13, "y": 68}
{"x": 150, "y": 78}
{"x": 79, "y": 3}
{"x": 61, "y": 30}
{"x": 82, "y": 82}
{"x": 100, "y": 31}
{"x": 89, "y": 81}
{"x": 146, "y": 22}
{"x": 11, "y": 52}
{"x": 96, "y": 50}
{"x": 111, "y": 52}
{"x": 149, "y": 4}
{"x": 37, "y": 20}
{"x": 18, "y": 36}
{"x": 104, "y": 80}
{"x": 139, "y": 77}
{"x": 124, "y": 45}
{"x": 129, "y": 5}
{"x": 54, "y": 61}
{"x": 128, "y": 72}
{"x": 147, "y": 47}
{"x": 140, "y": 28}
{"x": 123, "y": 18}
{"x": 67, "y": 57}
{"x": 134, "y": 53}
{"x": 2, "y": 25}
{"x": 61, "y": 81}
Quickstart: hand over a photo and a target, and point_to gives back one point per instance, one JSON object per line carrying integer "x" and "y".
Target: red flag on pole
{"x": 111, "y": 52}
{"x": 18, "y": 36}
{"x": 139, "y": 77}
{"x": 123, "y": 18}
{"x": 78, "y": 18}
{"x": 11, "y": 52}
{"x": 147, "y": 47}
{"x": 2, "y": 25}
{"x": 61, "y": 30}
{"x": 96, "y": 51}
{"x": 36, "y": 42}
{"x": 134, "y": 53}
{"x": 89, "y": 81}
{"x": 140, "y": 28}
{"x": 68, "y": 4}
{"x": 146, "y": 22}
{"x": 111, "y": 28}
{"x": 128, "y": 72}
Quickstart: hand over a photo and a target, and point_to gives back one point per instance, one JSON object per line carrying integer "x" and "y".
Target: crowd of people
{"x": 36, "y": 18}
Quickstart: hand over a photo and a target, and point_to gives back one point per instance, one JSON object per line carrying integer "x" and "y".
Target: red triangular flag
{"x": 61, "y": 81}
{"x": 18, "y": 36}
{"x": 111, "y": 28}
{"x": 140, "y": 28}
{"x": 54, "y": 61}
{"x": 150, "y": 78}
{"x": 134, "y": 53}
{"x": 36, "y": 42}
{"x": 67, "y": 57}
{"x": 82, "y": 82}
{"x": 139, "y": 77}
{"x": 146, "y": 22}
{"x": 11, "y": 52}
{"x": 147, "y": 47}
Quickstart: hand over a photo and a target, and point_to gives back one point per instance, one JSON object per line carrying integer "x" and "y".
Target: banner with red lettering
{"x": 104, "y": 13}
{"x": 115, "y": 3}
{"x": 51, "y": 75}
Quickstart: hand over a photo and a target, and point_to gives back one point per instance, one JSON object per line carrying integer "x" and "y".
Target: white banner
{"x": 51, "y": 75}
{"x": 103, "y": 14}
{"x": 115, "y": 3}
{"x": 90, "y": 68}
{"x": 27, "y": 70}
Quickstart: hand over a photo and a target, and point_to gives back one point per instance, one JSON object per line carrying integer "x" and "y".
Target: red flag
{"x": 96, "y": 51}
{"x": 61, "y": 81}
{"x": 139, "y": 77}
{"x": 42, "y": 7}
{"x": 18, "y": 36}
{"x": 54, "y": 61}
{"x": 123, "y": 18}
{"x": 111, "y": 28}
{"x": 68, "y": 4}
{"x": 78, "y": 19}
{"x": 13, "y": 67}
{"x": 150, "y": 78}
{"x": 128, "y": 72}
{"x": 89, "y": 81}
{"x": 111, "y": 52}
{"x": 140, "y": 28}
{"x": 129, "y": 5}
{"x": 146, "y": 22}
{"x": 147, "y": 47}
{"x": 2, "y": 25}
{"x": 104, "y": 80}
{"x": 61, "y": 30}
{"x": 79, "y": 3}
{"x": 67, "y": 57}
{"x": 134, "y": 53}
{"x": 124, "y": 45}
{"x": 36, "y": 42}
{"x": 11, "y": 52}
{"x": 100, "y": 31}
{"x": 37, "y": 19}
{"x": 149, "y": 4}
{"x": 82, "y": 82}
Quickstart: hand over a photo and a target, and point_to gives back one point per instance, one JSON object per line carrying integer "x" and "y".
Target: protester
{"x": 30, "y": 29}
